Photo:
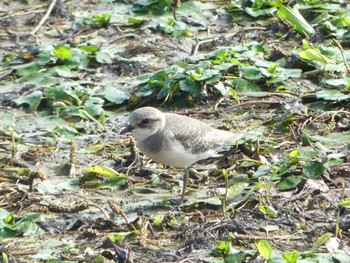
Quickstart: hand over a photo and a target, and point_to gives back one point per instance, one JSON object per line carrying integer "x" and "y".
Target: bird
{"x": 176, "y": 140}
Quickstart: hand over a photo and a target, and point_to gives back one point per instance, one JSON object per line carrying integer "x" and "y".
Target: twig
{"x": 250, "y": 237}
{"x": 45, "y": 17}
{"x": 100, "y": 208}
{"x": 212, "y": 39}
{"x": 336, "y": 42}
{"x": 228, "y": 109}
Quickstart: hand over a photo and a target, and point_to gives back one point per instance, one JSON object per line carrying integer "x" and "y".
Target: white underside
{"x": 177, "y": 156}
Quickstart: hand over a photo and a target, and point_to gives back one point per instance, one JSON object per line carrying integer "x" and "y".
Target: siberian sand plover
{"x": 175, "y": 140}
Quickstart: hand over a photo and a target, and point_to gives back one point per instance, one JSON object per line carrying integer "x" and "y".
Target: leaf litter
{"x": 73, "y": 190}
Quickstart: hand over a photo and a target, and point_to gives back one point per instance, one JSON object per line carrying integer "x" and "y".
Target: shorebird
{"x": 176, "y": 140}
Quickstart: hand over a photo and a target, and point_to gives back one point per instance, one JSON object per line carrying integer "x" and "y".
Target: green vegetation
{"x": 277, "y": 72}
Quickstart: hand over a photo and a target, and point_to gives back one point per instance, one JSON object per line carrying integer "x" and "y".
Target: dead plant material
{"x": 224, "y": 37}
{"x": 73, "y": 158}
{"x": 72, "y": 208}
{"x": 45, "y": 17}
{"x": 36, "y": 174}
{"x": 118, "y": 210}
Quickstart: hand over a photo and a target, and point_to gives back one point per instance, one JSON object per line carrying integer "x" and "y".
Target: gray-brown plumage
{"x": 175, "y": 140}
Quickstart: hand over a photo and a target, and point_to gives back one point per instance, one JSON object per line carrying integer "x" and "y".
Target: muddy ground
{"x": 131, "y": 216}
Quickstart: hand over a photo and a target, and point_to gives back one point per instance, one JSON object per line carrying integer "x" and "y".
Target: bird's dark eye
{"x": 145, "y": 121}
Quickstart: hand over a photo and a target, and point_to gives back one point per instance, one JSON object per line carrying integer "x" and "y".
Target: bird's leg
{"x": 184, "y": 185}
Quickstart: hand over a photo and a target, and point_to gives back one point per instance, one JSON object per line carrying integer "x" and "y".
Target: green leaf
{"x": 291, "y": 257}
{"x": 4, "y": 257}
{"x": 345, "y": 203}
{"x": 332, "y": 95}
{"x": 315, "y": 55}
{"x": 63, "y": 52}
{"x": 103, "y": 57}
{"x": 101, "y": 20}
{"x": 222, "y": 248}
{"x": 313, "y": 169}
{"x": 121, "y": 235}
{"x": 115, "y": 95}
{"x": 44, "y": 254}
{"x": 251, "y": 73}
{"x": 263, "y": 170}
{"x": 9, "y": 219}
{"x": 264, "y": 249}
{"x": 135, "y": 21}
{"x": 289, "y": 182}
{"x": 293, "y": 16}
{"x": 243, "y": 85}
{"x": 270, "y": 228}
{"x": 294, "y": 153}
{"x": 90, "y": 48}
{"x": 7, "y": 233}
{"x": 320, "y": 241}
{"x": 332, "y": 139}
{"x": 102, "y": 170}
{"x": 27, "y": 69}
{"x": 268, "y": 210}
{"x": 32, "y": 100}
{"x": 190, "y": 86}
{"x": 158, "y": 220}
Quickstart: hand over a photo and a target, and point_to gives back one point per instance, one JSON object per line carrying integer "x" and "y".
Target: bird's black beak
{"x": 127, "y": 129}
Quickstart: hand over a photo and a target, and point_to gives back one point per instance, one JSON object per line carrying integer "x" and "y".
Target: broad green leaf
{"x": 190, "y": 86}
{"x": 320, "y": 241}
{"x": 102, "y": 170}
{"x": 101, "y": 20}
{"x": 103, "y": 57}
{"x": 256, "y": 12}
{"x": 243, "y": 85}
{"x": 344, "y": 82}
{"x": 63, "y": 52}
{"x": 27, "y": 69}
{"x": 135, "y": 21}
{"x": 9, "y": 219}
{"x": 90, "y": 48}
{"x": 332, "y": 139}
{"x": 313, "y": 169}
{"x": 223, "y": 248}
{"x": 341, "y": 22}
{"x": 315, "y": 55}
{"x": 251, "y": 73}
{"x": 268, "y": 211}
{"x": 291, "y": 257}
{"x": 345, "y": 203}
{"x": 115, "y": 95}
{"x": 4, "y": 257}
{"x": 32, "y": 100}
{"x": 263, "y": 170}
{"x": 236, "y": 258}
{"x": 80, "y": 58}
{"x": 264, "y": 249}
{"x": 294, "y": 153}
{"x": 289, "y": 182}
{"x": 44, "y": 254}
{"x": 293, "y": 16}
{"x": 332, "y": 95}
{"x": 7, "y": 119}
{"x": 224, "y": 90}
{"x": 116, "y": 237}
{"x": 158, "y": 220}
{"x": 7, "y": 233}
{"x": 270, "y": 228}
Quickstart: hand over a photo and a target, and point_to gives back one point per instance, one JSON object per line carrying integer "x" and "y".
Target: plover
{"x": 175, "y": 140}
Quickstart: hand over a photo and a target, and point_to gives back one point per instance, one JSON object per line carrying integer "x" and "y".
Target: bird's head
{"x": 145, "y": 122}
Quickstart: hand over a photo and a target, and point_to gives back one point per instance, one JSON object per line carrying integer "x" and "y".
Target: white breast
{"x": 176, "y": 155}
